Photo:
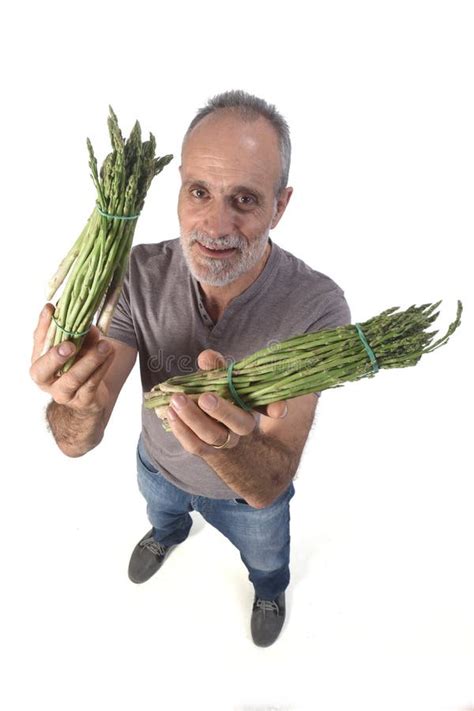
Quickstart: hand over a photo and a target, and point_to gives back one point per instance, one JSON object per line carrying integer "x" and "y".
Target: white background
{"x": 379, "y": 99}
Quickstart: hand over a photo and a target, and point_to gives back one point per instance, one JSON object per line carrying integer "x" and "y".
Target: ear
{"x": 282, "y": 201}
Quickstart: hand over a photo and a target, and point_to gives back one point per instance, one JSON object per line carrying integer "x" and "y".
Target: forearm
{"x": 75, "y": 434}
{"x": 259, "y": 468}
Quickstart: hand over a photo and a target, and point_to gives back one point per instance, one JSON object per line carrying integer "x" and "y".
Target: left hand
{"x": 212, "y": 419}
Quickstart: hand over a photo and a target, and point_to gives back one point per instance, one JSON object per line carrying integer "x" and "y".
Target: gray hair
{"x": 248, "y": 108}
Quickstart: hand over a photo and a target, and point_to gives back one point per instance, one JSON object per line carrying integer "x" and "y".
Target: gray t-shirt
{"x": 161, "y": 313}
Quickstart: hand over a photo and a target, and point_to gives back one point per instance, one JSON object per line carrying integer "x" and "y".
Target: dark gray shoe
{"x": 147, "y": 557}
{"x": 267, "y": 620}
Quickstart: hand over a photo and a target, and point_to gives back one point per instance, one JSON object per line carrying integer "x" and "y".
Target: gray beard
{"x": 220, "y": 272}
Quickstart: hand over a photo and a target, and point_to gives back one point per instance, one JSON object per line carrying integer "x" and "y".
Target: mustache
{"x": 227, "y": 242}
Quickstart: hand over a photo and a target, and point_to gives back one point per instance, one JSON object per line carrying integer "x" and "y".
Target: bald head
{"x": 250, "y": 108}
{"x": 236, "y": 144}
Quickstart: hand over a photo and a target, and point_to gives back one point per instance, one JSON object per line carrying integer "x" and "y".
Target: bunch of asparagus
{"x": 99, "y": 257}
{"x": 315, "y": 361}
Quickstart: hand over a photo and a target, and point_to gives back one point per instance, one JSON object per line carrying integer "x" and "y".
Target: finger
{"x": 184, "y": 434}
{"x": 204, "y": 425}
{"x": 275, "y": 410}
{"x": 93, "y": 335}
{"x": 66, "y": 387}
{"x": 91, "y": 339}
{"x": 43, "y": 370}
{"x": 194, "y": 442}
{"x": 86, "y": 393}
{"x": 211, "y": 360}
{"x": 234, "y": 418}
{"x": 41, "y": 330}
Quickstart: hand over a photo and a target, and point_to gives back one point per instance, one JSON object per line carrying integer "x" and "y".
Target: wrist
{"x": 75, "y": 432}
{"x": 85, "y": 413}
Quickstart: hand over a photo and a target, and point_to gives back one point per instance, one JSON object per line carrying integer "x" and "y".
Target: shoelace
{"x": 267, "y": 606}
{"x": 153, "y": 546}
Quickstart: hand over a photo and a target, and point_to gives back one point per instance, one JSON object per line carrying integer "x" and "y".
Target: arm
{"x": 262, "y": 464}
{"x": 77, "y": 430}
{"x": 84, "y": 397}
{"x": 259, "y": 461}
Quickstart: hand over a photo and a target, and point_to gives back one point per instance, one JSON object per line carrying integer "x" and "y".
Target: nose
{"x": 219, "y": 220}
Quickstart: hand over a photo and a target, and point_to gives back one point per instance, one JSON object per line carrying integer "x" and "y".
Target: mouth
{"x": 216, "y": 253}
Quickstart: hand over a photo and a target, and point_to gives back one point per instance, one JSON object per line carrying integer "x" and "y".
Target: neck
{"x": 217, "y": 298}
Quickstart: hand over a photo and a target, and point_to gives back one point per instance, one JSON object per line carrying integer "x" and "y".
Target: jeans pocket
{"x": 143, "y": 461}
{"x": 241, "y": 502}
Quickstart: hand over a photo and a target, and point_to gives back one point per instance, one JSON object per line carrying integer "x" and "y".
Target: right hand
{"x": 82, "y": 388}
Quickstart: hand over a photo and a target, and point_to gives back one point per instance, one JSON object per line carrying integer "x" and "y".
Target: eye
{"x": 198, "y": 190}
{"x": 245, "y": 200}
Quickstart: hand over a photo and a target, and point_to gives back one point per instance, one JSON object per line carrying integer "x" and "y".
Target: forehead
{"x": 223, "y": 147}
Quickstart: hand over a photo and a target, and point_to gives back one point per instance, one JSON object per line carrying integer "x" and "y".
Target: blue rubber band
{"x": 116, "y": 217}
{"x": 235, "y": 395}
{"x": 370, "y": 353}
{"x": 70, "y": 333}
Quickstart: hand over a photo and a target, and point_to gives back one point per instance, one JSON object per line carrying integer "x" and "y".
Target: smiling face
{"x": 227, "y": 203}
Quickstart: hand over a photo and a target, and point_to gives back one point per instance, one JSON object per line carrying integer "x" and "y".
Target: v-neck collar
{"x": 238, "y": 301}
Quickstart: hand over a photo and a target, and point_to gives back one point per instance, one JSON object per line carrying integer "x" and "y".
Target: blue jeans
{"x": 262, "y": 536}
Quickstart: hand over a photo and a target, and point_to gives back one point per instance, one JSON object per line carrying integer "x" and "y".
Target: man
{"x": 221, "y": 291}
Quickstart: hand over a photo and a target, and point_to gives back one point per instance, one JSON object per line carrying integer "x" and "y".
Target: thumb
{"x": 210, "y": 360}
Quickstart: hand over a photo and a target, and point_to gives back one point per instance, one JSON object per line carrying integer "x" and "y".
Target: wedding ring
{"x": 224, "y": 444}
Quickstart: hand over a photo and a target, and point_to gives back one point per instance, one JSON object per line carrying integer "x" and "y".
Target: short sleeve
{"x": 122, "y": 327}
{"x": 336, "y": 313}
